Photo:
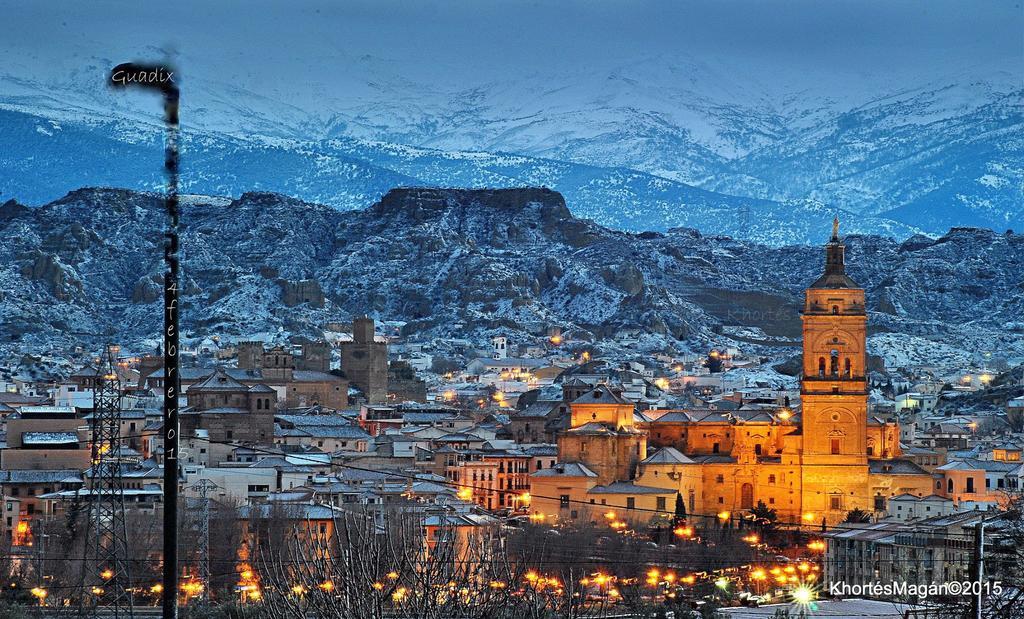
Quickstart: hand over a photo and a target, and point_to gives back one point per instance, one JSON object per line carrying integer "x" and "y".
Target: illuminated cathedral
{"x": 813, "y": 465}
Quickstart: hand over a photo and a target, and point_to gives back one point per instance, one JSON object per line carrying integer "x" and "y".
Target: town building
{"x": 364, "y": 360}
{"x": 816, "y": 465}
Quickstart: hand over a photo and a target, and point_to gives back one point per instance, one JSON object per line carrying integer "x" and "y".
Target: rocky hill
{"x": 476, "y": 262}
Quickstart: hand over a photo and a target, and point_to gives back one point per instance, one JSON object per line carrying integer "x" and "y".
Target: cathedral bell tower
{"x": 834, "y": 390}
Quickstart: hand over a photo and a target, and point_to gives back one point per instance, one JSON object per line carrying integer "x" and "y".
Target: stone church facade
{"x": 810, "y": 465}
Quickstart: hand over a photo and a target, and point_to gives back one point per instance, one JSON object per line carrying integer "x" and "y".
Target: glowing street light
{"x": 803, "y": 595}
{"x": 40, "y": 594}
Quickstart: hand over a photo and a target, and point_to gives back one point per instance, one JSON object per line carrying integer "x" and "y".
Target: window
{"x": 970, "y": 484}
{"x": 714, "y": 448}
{"x": 563, "y": 501}
{"x": 719, "y": 479}
{"x": 771, "y": 479}
{"x": 771, "y": 500}
{"x": 661, "y": 504}
{"x": 835, "y": 502}
{"x": 871, "y": 450}
{"x": 835, "y": 446}
{"x": 757, "y": 449}
{"x": 630, "y": 502}
{"x": 879, "y": 503}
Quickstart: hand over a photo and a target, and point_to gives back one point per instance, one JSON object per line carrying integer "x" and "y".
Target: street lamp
{"x": 160, "y": 79}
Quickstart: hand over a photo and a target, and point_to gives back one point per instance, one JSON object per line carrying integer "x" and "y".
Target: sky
{"x": 472, "y": 39}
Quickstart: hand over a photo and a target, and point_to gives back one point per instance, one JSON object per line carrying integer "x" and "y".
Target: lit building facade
{"x": 816, "y": 465}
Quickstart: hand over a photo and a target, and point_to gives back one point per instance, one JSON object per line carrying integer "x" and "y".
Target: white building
{"x": 907, "y": 507}
{"x": 500, "y": 347}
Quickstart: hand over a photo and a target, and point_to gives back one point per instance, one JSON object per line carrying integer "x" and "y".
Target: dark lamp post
{"x": 160, "y": 78}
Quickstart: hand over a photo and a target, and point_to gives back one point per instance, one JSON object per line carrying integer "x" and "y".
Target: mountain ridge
{"x": 473, "y": 263}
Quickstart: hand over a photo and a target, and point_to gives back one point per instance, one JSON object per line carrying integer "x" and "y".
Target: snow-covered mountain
{"x": 649, "y": 144}
{"x": 43, "y": 154}
{"x": 460, "y": 263}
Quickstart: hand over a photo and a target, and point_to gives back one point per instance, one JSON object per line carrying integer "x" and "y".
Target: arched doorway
{"x": 747, "y": 496}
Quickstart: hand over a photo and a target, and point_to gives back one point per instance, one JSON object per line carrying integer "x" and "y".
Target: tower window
{"x": 847, "y": 369}
{"x": 835, "y": 446}
{"x": 835, "y": 502}
{"x": 714, "y": 448}
{"x": 821, "y": 366}
{"x": 757, "y": 449}
{"x": 835, "y": 309}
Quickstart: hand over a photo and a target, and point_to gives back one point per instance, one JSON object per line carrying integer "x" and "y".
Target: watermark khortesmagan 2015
{"x": 898, "y": 588}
